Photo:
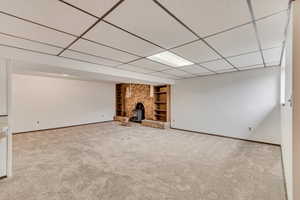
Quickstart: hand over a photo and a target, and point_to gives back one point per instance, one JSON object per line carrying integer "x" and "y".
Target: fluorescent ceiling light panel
{"x": 170, "y": 59}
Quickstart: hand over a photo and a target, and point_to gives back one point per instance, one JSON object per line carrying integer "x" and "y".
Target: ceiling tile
{"x": 26, "y": 44}
{"x": 195, "y": 69}
{"x": 103, "y": 51}
{"x": 263, "y": 8}
{"x": 51, "y": 13}
{"x": 271, "y": 30}
{"x": 107, "y": 34}
{"x": 217, "y": 65}
{"x": 251, "y": 67}
{"x": 95, "y": 7}
{"x": 146, "y": 63}
{"x": 196, "y": 52}
{"x": 28, "y": 30}
{"x": 272, "y": 56}
{"x": 178, "y": 73}
{"x": 134, "y": 69}
{"x": 246, "y": 60}
{"x": 209, "y": 16}
{"x": 235, "y": 42}
{"x": 148, "y": 20}
{"x": 89, "y": 58}
{"x": 163, "y": 75}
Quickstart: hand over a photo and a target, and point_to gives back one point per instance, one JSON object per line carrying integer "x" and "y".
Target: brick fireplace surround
{"x": 139, "y": 93}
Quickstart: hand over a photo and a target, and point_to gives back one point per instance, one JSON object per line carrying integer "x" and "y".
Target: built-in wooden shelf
{"x": 161, "y": 103}
{"x": 120, "y": 100}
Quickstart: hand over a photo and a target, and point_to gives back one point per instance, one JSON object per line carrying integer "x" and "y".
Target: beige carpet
{"x": 111, "y": 162}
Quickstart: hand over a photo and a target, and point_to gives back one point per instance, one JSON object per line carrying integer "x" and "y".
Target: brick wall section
{"x": 139, "y": 93}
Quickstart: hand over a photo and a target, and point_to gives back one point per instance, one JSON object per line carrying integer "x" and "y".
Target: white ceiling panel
{"x": 246, "y": 60}
{"x": 196, "y": 52}
{"x": 263, "y": 8}
{"x": 272, "y": 56}
{"x": 51, "y": 13}
{"x": 251, "y": 67}
{"x": 146, "y": 63}
{"x": 25, "y": 44}
{"x": 28, "y": 30}
{"x": 103, "y": 51}
{"x": 95, "y": 7}
{"x": 217, "y": 65}
{"x": 209, "y": 16}
{"x": 271, "y": 30}
{"x": 134, "y": 69}
{"x": 148, "y": 20}
{"x": 236, "y": 41}
{"x": 163, "y": 75}
{"x": 107, "y": 34}
{"x": 195, "y": 69}
{"x": 178, "y": 73}
{"x": 89, "y": 58}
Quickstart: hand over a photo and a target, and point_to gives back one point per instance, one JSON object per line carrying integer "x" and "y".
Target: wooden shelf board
{"x": 160, "y": 86}
{"x": 160, "y": 102}
{"x": 160, "y": 110}
{"x": 160, "y": 115}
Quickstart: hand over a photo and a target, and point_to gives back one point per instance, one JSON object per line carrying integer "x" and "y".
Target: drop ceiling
{"x": 216, "y": 36}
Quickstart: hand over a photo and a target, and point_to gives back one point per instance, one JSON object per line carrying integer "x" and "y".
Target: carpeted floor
{"x": 111, "y": 162}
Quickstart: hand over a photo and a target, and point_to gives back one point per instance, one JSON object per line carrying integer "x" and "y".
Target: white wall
{"x": 3, "y": 88}
{"x": 228, "y": 104}
{"x": 287, "y": 114}
{"x": 44, "y": 102}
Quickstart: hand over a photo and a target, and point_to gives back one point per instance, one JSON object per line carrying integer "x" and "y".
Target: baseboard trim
{"x": 228, "y": 137}
{"x": 63, "y": 127}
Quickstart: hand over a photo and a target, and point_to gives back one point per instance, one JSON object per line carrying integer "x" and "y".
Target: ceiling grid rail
{"x": 135, "y": 35}
{"x": 178, "y": 20}
{"x": 102, "y": 19}
{"x": 92, "y": 26}
{"x": 256, "y": 31}
{"x": 286, "y": 32}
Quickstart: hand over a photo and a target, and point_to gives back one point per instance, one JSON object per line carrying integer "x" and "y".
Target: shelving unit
{"x": 120, "y": 100}
{"x": 161, "y": 103}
